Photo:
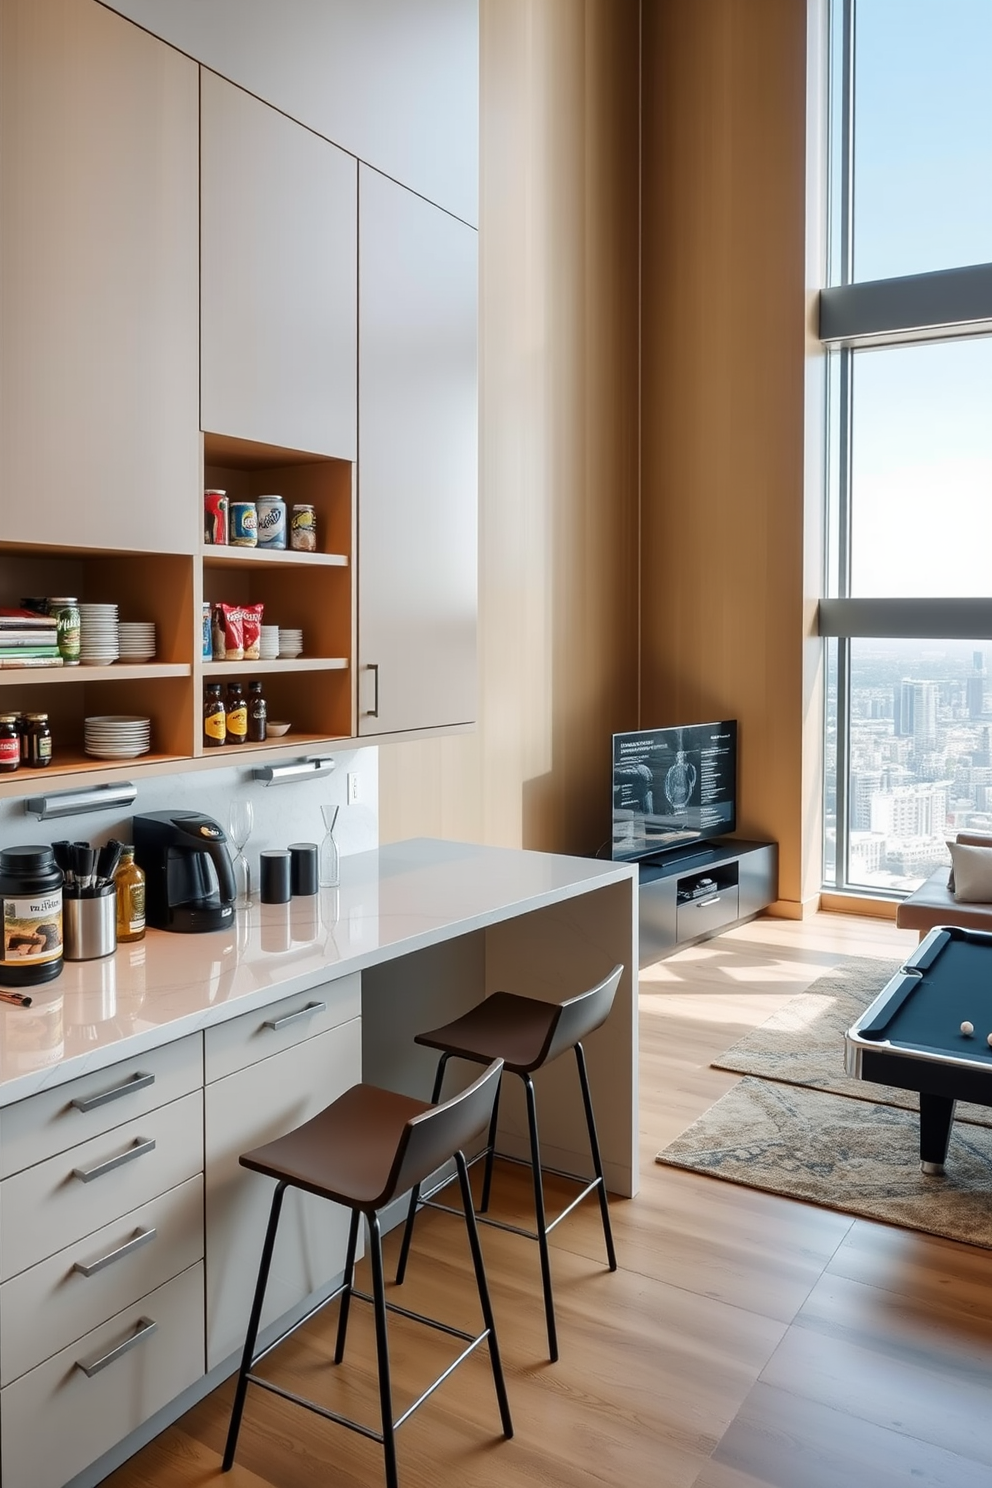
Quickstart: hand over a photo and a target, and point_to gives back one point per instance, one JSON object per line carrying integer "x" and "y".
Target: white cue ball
{"x": 968, "y": 1029}
{"x": 989, "y": 1040}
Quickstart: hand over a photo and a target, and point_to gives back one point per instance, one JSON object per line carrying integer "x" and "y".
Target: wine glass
{"x": 242, "y": 820}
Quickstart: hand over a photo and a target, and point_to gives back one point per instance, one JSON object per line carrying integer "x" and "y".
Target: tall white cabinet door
{"x": 241, "y": 1111}
{"x": 279, "y": 262}
{"x": 418, "y": 462}
{"x": 99, "y": 284}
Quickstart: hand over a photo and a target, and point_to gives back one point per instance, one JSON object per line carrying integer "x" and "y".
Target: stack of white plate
{"x": 117, "y": 736}
{"x": 137, "y": 640}
{"x": 268, "y": 643}
{"x": 98, "y": 639}
{"x": 290, "y": 642}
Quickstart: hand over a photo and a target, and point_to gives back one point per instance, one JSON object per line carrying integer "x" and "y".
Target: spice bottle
{"x": 214, "y": 717}
{"x": 129, "y": 885}
{"x": 39, "y": 737}
{"x": 10, "y": 742}
{"x": 257, "y": 711}
{"x": 237, "y": 714}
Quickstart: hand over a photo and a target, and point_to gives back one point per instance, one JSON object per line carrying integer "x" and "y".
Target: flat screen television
{"x": 673, "y": 787}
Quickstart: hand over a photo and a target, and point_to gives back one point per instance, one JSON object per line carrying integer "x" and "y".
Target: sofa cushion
{"x": 972, "y": 868}
{"x": 934, "y": 904}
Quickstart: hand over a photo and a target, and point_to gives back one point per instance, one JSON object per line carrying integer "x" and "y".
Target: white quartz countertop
{"x": 392, "y": 901}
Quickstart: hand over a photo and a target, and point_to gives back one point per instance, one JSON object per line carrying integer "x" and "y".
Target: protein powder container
{"x": 31, "y": 892}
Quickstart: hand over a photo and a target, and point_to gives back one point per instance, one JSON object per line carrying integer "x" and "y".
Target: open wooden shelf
{"x": 131, "y": 672}
{"x": 216, "y": 555}
{"x": 215, "y": 669}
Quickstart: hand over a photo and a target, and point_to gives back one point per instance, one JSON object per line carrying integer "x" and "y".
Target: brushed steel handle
{"x": 702, "y": 903}
{"x": 144, "y": 1328}
{"x": 89, "y": 1268}
{"x": 303, "y": 1012}
{"x": 90, "y": 1102}
{"x": 373, "y": 667}
{"x": 86, "y": 1175}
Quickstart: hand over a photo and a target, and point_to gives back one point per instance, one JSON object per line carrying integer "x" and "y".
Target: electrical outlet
{"x": 353, "y": 792}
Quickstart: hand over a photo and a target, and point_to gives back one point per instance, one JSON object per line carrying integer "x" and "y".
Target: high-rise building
{"x": 976, "y": 685}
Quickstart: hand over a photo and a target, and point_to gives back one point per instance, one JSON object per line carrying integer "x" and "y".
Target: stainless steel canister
{"x": 89, "y": 924}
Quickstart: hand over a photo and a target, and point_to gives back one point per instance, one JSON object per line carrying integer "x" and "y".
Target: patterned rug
{"x": 798, "y": 1125}
{"x": 854, "y": 1156}
{"x": 803, "y": 1043}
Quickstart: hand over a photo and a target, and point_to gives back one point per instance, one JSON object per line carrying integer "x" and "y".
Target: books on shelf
{"x": 26, "y": 620}
{"x": 8, "y": 662}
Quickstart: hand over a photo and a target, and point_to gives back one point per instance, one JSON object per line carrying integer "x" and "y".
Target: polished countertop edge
{"x": 104, "y": 999}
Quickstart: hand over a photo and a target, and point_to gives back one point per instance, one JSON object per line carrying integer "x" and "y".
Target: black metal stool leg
{"x": 253, "y": 1322}
{"x": 542, "y": 1224}
{"x": 349, "y": 1279}
{"x": 597, "y": 1161}
{"x": 411, "y": 1213}
{"x": 480, "y": 1278}
{"x": 487, "y": 1181}
{"x": 382, "y": 1348}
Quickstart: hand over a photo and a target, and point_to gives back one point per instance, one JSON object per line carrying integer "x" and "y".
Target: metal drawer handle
{"x": 141, "y": 1238}
{"x": 303, "y": 1012}
{"x": 373, "y": 712}
{"x": 90, "y": 1102}
{"x": 144, "y": 1328}
{"x": 702, "y": 903}
{"x": 86, "y": 1175}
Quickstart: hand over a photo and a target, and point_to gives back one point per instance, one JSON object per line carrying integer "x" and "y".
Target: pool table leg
{"x": 936, "y": 1119}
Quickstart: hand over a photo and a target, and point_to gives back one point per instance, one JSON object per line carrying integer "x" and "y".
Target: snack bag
{"x": 234, "y": 635}
{"x": 251, "y": 616}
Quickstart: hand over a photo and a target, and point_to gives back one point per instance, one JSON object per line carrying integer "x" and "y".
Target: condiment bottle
{"x": 10, "y": 742}
{"x": 214, "y": 717}
{"x": 129, "y": 885}
{"x": 39, "y": 736}
{"x": 257, "y": 711}
{"x": 237, "y": 714}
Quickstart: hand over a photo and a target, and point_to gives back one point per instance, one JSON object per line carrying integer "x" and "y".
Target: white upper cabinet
{"x": 279, "y": 265}
{"x": 99, "y": 289}
{"x": 418, "y": 472}
{"x": 394, "y": 82}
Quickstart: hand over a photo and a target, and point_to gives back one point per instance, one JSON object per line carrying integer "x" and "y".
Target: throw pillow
{"x": 972, "y": 868}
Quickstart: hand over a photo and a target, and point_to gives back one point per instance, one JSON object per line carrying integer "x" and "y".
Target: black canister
{"x": 275, "y": 877}
{"x": 31, "y": 892}
{"x": 303, "y": 868}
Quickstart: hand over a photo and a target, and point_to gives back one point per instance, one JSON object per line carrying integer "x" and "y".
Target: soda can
{"x": 215, "y": 518}
{"x": 303, "y": 528}
{"x": 244, "y": 524}
{"x": 271, "y": 522}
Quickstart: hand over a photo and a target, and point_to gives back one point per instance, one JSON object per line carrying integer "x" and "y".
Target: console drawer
{"x": 48, "y": 1306}
{"x": 243, "y": 1041}
{"x": 56, "y": 1419}
{"x": 706, "y": 915}
{"x": 55, "y": 1203}
{"x": 34, "y": 1129}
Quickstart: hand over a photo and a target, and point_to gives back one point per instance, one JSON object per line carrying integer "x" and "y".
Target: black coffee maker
{"x": 189, "y": 880}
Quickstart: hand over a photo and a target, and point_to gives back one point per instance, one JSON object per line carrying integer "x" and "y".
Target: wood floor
{"x": 746, "y": 1340}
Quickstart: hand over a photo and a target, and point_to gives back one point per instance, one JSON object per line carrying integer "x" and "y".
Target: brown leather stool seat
{"x": 526, "y": 1033}
{"x": 361, "y": 1151}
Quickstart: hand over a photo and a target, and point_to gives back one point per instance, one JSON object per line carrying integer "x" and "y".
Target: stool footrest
{"x": 590, "y": 1186}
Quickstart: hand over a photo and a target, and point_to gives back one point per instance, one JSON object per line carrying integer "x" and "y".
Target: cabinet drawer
{"x": 55, "y": 1203}
{"x": 704, "y": 916}
{"x": 243, "y": 1041}
{"x": 51, "y": 1304}
{"x": 54, "y": 1120}
{"x": 57, "y": 1419}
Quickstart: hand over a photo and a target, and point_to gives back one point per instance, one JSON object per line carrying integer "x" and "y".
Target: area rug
{"x": 803, "y": 1043}
{"x": 855, "y": 1156}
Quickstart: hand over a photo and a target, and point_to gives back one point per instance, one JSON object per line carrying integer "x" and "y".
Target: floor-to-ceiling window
{"x": 907, "y": 318}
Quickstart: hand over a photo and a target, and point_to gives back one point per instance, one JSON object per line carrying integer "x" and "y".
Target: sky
{"x": 922, "y": 428}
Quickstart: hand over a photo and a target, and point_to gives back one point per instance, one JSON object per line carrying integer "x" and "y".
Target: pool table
{"x": 911, "y": 1037}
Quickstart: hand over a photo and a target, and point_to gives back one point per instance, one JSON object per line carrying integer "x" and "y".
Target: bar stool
{"x": 525, "y": 1034}
{"x": 361, "y": 1151}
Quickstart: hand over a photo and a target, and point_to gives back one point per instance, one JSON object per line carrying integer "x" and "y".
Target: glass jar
{"x": 10, "y": 743}
{"x": 31, "y": 908}
{"x": 39, "y": 740}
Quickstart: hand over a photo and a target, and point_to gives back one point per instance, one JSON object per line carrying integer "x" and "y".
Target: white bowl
{"x": 277, "y": 728}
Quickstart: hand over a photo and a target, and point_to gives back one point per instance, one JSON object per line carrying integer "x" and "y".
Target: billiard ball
{"x": 967, "y": 1029}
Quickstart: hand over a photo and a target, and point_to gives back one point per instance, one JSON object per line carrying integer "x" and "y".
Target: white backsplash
{"x": 283, "y": 813}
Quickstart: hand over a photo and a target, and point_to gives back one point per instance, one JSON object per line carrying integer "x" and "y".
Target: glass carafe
{"x": 329, "y": 860}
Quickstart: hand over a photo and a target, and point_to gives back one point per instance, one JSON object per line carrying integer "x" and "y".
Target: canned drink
{"x": 215, "y": 518}
{"x": 66, "y": 612}
{"x": 244, "y": 524}
{"x": 303, "y": 529}
{"x": 271, "y": 522}
{"x": 207, "y": 645}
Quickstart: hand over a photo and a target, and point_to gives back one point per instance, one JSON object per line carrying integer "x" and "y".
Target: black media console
{"x": 691, "y": 893}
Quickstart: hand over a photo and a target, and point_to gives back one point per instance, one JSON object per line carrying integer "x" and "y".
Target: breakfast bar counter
{"x": 129, "y": 1234}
